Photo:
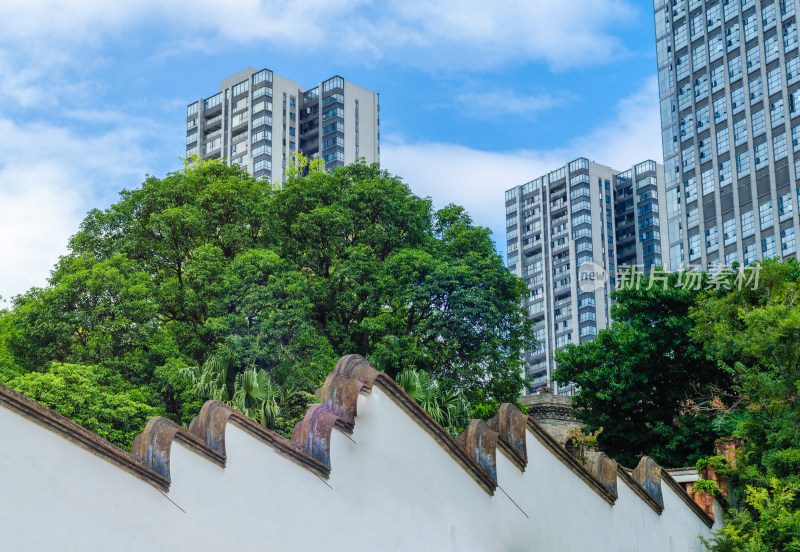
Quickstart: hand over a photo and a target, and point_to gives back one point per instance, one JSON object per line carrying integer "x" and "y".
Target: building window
{"x": 788, "y": 241}
{"x": 756, "y": 90}
{"x": 684, "y": 96}
{"x": 692, "y": 219}
{"x": 703, "y": 119}
{"x": 794, "y": 103}
{"x": 732, "y": 37}
{"x": 737, "y": 100}
{"x": 771, "y": 49}
{"x": 731, "y": 8}
{"x": 725, "y": 173}
{"x": 774, "y": 81}
{"x": 701, "y": 87}
{"x": 261, "y": 76}
{"x": 712, "y": 239}
{"x": 765, "y": 214}
{"x": 779, "y": 148}
{"x": 761, "y": 156}
{"x": 735, "y": 68}
{"x": 768, "y": 247}
{"x": 723, "y": 142}
{"x": 694, "y": 247}
{"x": 748, "y": 224}
{"x": 682, "y": 67}
{"x": 330, "y": 84}
{"x": 729, "y": 231}
{"x": 690, "y": 189}
{"x": 759, "y": 123}
{"x": 715, "y": 48}
{"x": 750, "y": 25}
{"x": 699, "y": 57}
{"x": 686, "y": 127}
{"x": 669, "y": 141}
{"x": 680, "y": 37}
{"x": 687, "y": 159}
{"x": 787, "y": 8}
{"x": 785, "y": 206}
{"x": 753, "y": 57}
{"x": 263, "y": 91}
{"x": 749, "y": 254}
{"x": 792, "y": 70}
{"x": 768, "y": 16}
{"x": 743, "y": 164}
{"x": 720, "y": 109}
{"x": 740, "y": 132}
{"x": 707, "y": 181}
{"x": 789, "y": 34}
{"x": 240, "y": 88}
{"x": 776, "y": 115}
{"x": 717, "y": 78}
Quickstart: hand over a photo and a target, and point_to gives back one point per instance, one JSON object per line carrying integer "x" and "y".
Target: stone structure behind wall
{"x": 553, "y": 412}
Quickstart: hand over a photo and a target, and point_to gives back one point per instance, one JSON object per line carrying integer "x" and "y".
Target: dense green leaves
{"x": 755, "y": 334}
{"x": 94, "y": 397}
{"x": 636, "y": 377}
{"x": 210, "y": 264}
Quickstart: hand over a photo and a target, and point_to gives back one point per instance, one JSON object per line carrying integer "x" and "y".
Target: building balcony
{"x": 212, "y": 124}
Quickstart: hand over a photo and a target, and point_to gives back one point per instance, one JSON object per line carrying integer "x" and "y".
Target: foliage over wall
{"x": 212, "y": 267}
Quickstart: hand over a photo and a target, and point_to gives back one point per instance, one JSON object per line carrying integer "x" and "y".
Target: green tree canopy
{"x": 635, "y": 378}
{"x": 92, "y": 396}
{"x": 212, "y": 264}
{"x": 754, "y": 332}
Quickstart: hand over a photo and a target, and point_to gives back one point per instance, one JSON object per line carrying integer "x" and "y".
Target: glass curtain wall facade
{"x": 729, "y": 89}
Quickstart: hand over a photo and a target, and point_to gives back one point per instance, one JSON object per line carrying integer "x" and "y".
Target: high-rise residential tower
{"x": 568, "y": 233}
{"x": 729, "y": 87}
{"x": 259, "y": 119}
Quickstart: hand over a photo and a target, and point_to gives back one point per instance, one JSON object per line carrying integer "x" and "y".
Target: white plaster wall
{"x": 392, "y": 487}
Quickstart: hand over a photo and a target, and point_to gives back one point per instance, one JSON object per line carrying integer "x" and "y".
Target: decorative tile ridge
{"x": 510, "y": 423}
{"x": 480, "y": 442}
{"x": 209, "y": 426}
{"x": 667, "y": 478}
{"x": 639, "y": 489}
{"x": 153, "y": 445}
{"x": 604, "y": 469}
{"x": 338, "y": 407}
{"x": 32, "y": 410}
{"x": 648, "y": 474}
{"x": 570, "y": 461}
{"x": 352, "y": 376}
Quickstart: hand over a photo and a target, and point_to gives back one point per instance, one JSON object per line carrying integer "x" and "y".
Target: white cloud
{"x": 49, "y": 178}
{"x": 477, "y": 179}
{"x": 496, "y": 103}
{"x": 447, "y": 34}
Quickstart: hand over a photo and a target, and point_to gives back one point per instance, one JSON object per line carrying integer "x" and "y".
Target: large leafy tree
{"x": 637, "y": 378}
{"x": 210, "y": 266}
{"x": 755, "y": 333}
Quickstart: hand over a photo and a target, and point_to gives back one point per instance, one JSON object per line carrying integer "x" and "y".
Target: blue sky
{"x": 476, "y": 97}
